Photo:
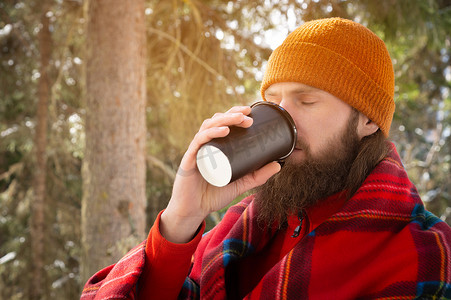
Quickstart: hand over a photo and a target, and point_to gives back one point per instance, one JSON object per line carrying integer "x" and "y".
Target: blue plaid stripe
{"x": 234, "y": 249}
{"x": 434, "y": 290}
{"x": 424, "y": 218}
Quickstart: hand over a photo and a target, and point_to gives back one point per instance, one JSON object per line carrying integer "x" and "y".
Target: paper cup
{"x": 272, "y": 137}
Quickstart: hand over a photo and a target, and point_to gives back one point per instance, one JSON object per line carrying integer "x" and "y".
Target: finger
{"x": 227, "y": 119}
{"x": 203, "y": 137}
{"x": 245, "y": 110}
{"x": 236, "y": 110}
{"x": 242, "y": 109}
{"x": 258, "y": 177}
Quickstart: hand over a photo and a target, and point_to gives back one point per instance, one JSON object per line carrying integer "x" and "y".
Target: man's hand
{"x": 193, "y": 198}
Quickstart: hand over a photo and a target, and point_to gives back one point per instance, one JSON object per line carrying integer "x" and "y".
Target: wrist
{"x": 179, "y": 229}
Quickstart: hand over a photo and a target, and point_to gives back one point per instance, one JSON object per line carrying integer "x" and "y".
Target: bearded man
{"x": 340, "y": 219}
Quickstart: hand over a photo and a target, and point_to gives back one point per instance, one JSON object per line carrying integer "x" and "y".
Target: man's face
{"x": 326, "y": 148}
{"x": 318, "y": 115}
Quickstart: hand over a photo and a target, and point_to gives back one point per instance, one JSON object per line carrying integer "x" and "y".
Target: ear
{"x": 365, "y": 127}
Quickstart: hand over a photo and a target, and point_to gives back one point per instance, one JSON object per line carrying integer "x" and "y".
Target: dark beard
{"x": 301, "y": 185}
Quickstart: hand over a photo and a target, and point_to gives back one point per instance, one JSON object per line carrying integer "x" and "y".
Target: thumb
{"x": 259, "y": 176}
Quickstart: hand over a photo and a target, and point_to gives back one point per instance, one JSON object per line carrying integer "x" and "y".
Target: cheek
{"x": 336, "y": 120}
{"x": 317, "y": 132}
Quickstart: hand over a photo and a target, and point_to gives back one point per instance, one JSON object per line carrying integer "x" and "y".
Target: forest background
{"x": 100, "y": 99}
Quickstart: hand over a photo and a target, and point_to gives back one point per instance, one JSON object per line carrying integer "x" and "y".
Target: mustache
{"x": 301, "y": 144}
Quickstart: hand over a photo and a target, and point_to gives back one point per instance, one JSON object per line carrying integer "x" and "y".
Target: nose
{"x": 285, "y": 104}
{"x": 289, "y": 107}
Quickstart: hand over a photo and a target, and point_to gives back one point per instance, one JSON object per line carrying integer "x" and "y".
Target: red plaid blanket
{"x": 381, "y": 244}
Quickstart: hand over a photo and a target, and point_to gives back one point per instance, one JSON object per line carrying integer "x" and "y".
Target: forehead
{"x": 291, "y": 87}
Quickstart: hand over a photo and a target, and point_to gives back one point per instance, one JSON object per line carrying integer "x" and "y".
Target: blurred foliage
{"x": 19, "y": 65}
{"x": 203, "y": 57}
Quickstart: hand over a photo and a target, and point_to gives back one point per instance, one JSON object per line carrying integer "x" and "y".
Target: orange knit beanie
{"x": 342, "y": 58}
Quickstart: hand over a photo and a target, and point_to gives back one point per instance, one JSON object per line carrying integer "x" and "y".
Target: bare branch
{"x": 155, "y": 162}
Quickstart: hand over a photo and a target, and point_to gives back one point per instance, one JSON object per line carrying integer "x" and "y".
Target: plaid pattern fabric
{"x": 382, "y": 244}
{"x": 118, "y": 281}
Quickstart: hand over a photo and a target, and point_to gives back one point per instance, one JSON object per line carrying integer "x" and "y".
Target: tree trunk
{"x": 113, "y": 204}
{"x": 37, "y": 228}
